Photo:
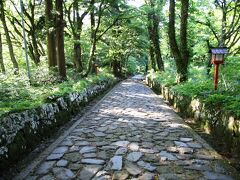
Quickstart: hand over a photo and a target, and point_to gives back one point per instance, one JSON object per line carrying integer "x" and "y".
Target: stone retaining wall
{"x": 213, "y": 120}
{"x": 20, "y": 132}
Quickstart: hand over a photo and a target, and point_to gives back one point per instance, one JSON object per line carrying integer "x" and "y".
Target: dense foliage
{"x": 67, "y": 40}
{"x": 200, "y": 85}
{"x": 21, "y": 95}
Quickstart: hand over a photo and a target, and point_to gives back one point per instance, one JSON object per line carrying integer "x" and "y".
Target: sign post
{"x": 217, "y": 59}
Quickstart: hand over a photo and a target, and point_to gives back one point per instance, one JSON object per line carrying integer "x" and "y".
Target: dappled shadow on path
{"x": 132, "y": 133}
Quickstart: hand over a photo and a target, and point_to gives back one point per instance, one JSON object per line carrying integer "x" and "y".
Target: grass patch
{"x": 16, "y": 93}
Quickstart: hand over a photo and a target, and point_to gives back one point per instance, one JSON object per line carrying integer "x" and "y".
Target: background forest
{"x": 66, "y": 40}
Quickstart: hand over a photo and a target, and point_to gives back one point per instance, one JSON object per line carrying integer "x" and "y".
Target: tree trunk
{"x": 77, "y": 35}
{"x": 157, "y": 45}
{"x": 152, "y": 62}
{"x": 92, "y": 18}
{"x": 1, "y": 57}
{"x": 35, "y": 48}
{"x": 183, "y": 40}
{"x": 51, "y": 45}
{"x": 92, "y": 57}
{"x": 224, "y": 24}
{"x": 209, "y": 63}
{"x": 60, "y": 39}
{"x": 117, "y": 69}
{"x": 30, "y": 15}
{"x": 30, "y": 50}
{"x": 42, "y": 51}
{"x": 78, "y": 54}
{"x": 155, "y": 38}
{"x": 9, "y": 42}
{"x": 93, "y": 37}
{"x": 180, "y": 54}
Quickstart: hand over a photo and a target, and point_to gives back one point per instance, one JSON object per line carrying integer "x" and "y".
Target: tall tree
{"x": 229, "y": 29}
{"x": 1, "y": 56}
{"x": 51, "y": 45}
{"x": 126, "y": 42}
{"x": 29, "y": 11}
{"x": 225, "y": 29}
{"x": 116, "y": 61}
{"x": 60, "y": 39}
{"x": 76, "y": 25}
{"x": 8, "y": 39}
{"x": 152, "y": 61}
{"x": 179, "y": 52}
{"x": 94, "y": 31}
{"x": 154, "y": 19}
{"x": 95, "y": 26}
{"x": 77, "y": 29}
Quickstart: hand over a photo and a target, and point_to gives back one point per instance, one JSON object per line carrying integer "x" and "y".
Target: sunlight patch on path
{"x": 132, "y": 133}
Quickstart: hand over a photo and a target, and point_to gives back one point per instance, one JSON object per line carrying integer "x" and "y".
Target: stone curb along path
{"x": 130, "y": 134}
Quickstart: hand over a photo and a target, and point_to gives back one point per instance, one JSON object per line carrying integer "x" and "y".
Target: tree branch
{"x": 109, "y": 27}
{"x": 208, "y": 24}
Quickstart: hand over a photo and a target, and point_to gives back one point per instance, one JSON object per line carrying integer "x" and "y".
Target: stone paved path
{"x": 131, "y": 134}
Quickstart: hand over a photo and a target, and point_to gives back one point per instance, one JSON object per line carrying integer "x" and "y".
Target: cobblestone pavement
{"x": 131, "y": 134}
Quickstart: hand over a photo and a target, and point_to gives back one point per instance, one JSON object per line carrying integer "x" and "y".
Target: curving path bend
{"x": 130, "y": 134}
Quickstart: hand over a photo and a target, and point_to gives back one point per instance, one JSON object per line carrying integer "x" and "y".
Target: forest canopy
{"x": 74, "y": 39}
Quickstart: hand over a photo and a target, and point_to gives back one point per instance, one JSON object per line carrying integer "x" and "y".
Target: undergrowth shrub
{"x": 17, "y": 94}
{"x": 200, "y": 85}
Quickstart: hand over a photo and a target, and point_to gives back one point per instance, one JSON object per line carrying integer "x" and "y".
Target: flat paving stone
{"x": 180, "y": 144}
{"x": 89, "y": 171}
{"x": 45, "y": 167}
{"x": 216, "y": 176}
{"x": 133, "y": 169}
{"x": 33, "y": 177}
{"x": 63, "y": 173}
{"x": 73, "y": 156}
{"x": 62, "y": 163}
{"x": 121, "y": 143}
{"x": 169, "y": 176}
{"x": 116, "y": 163}
{"x": 93, "y": 161}
{"x": 60, "y": 150}
{"x": 133, "y": 146}
{"x": 82, "y": 143}
{"x": 146, "y": 166}
{"x": 185, "y": 150}
{"x": 102, "y": 155}
{"x": 102, "y": 129}
{"x": 90, "y": 155}
{"x": 186, "y": 139}
{"x": 75, "y": 166}
{"x": 147, "y": 176}
{"x": 99, "y": 134}
{"x": 74, "y": 148}
{"x": 102, "y": 174}
{"x": 121, "y": 151}
{"x": 194, "y": 145}
{"x": 67, "y": 143}
{"x": 55, "y": 156}
{"x": 134, "y": 156}
{"x": 130, "y": 134}
{"x": 87, "y": 149}
{"x": 47, "y": 177}
{"x": 120, "y": 175}
{"x": 167, "y": 156}
{"x": 149, "y": 151}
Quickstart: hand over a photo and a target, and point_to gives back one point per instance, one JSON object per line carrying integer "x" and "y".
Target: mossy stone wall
{"x": 21, "y": 132}
{"x": 219, "y": 123}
